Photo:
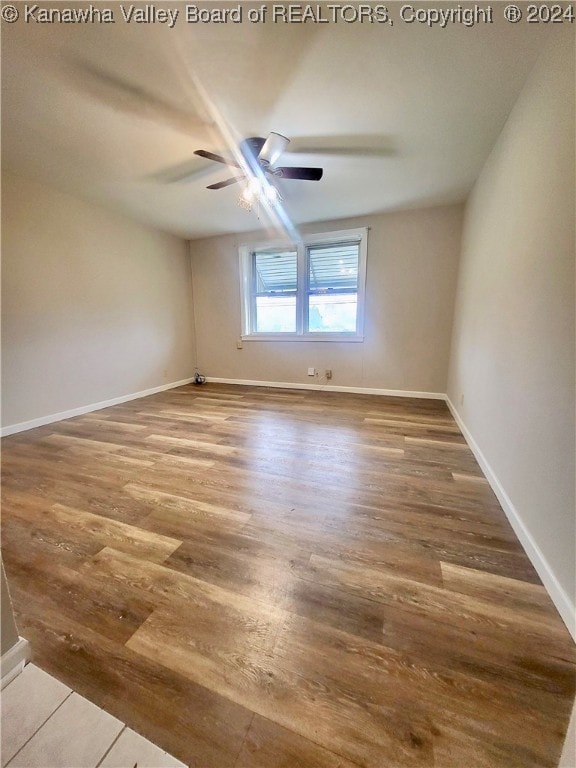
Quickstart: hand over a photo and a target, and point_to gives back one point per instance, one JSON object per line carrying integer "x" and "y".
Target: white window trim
{"x": 246, "y": 251}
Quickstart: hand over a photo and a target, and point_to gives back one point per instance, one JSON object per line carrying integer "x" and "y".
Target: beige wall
{"x": 513, "y": 342}
{"x": 9, "y": 633}
{"x": 411, "y": 278}
{"x": 94, "y": 306}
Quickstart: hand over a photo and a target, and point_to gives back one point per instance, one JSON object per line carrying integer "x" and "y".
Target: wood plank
{"x": 268, "y": 744}
{"x": 428, "y": 441}
{"x": 318, "y": 710}
{"x": 460, "y": 477}
{"x": 103, "y": 530}
{"x": 199, "y": 445}
{"x": 182, "y": 506}
{"x": 443, "y": 605}
{"x": 513, "y": 593}
{"x": 104, "y": 607}
{"x": 23, "y": 542}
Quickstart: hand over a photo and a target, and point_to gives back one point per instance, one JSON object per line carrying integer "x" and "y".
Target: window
{"x": 275, "y": 287}
{"x": 313, "y": 290}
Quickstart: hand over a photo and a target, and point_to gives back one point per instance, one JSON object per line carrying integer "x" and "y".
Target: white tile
{"x": 27, "y": 702}
{"x": 132, "y": 749}
{"x": 76, "y": 736}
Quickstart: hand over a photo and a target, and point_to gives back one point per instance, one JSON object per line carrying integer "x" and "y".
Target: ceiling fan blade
{"x": 130, "y": 97}
{"x": 346, "y": 152}
{"x": 189, "y": 170}
{"x": 357, "y": 145}
{"x": 217, "y": 158}
{"x": 306, "y": 174}
{"x": 273, "y": 147}
{"x": 226, "y": 183}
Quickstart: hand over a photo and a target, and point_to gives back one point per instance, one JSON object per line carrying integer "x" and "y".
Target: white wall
{"x": 411, "y": 279}
{"x": 8, "y": 633}
{"x": 513, "y": 341}
{"x": 94, "y": 306}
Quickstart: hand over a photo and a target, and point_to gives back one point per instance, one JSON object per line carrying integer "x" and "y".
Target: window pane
{"x": 333, "y": 267}
{"x": 332, "y": 313}
{"x": 275, "y": 271}
{"x": 333, "y": 287}
{"x": 275, "y": 314}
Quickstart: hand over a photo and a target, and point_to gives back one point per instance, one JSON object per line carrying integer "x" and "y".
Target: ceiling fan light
{"x": 254, "y": 185}
{"x": 257, "y": 191}
{"x": 245, "y": 204}
{"x": 271, "y": 193}
{"x": 251, "y": 191}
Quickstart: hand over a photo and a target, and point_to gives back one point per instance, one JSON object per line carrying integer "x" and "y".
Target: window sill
{"x": 338, "y": 337}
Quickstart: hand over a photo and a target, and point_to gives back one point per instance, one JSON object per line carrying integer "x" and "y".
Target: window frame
{"x": 248, "y": 294}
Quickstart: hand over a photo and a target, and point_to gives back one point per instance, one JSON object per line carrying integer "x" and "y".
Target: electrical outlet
{"x": 311, "y": 371}
{"x": 328, "y": 373}
{"x": 239, "y": 344}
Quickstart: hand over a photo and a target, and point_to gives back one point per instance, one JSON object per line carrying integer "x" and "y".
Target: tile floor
{"x": 46, "y": 725}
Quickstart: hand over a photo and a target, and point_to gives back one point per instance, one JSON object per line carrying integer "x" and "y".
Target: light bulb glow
{"x": 258, "y": 190}
{"x": 254, "y": 187}
{"x": 271, "y": 193}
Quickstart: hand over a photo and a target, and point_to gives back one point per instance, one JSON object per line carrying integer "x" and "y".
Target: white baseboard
{"x": 12, "y": 662}
{"x": 557, "y": 593}
{"x": 329, "y": 388}
{"x": 40, "y": 422}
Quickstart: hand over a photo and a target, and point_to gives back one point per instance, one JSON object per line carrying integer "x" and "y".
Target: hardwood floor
{"x": 268, "y": 578}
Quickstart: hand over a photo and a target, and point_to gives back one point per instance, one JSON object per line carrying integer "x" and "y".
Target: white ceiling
{"x": 113, "y": 113}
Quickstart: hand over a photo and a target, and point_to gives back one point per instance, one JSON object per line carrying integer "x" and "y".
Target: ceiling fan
{"x": 261, "y": 155}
